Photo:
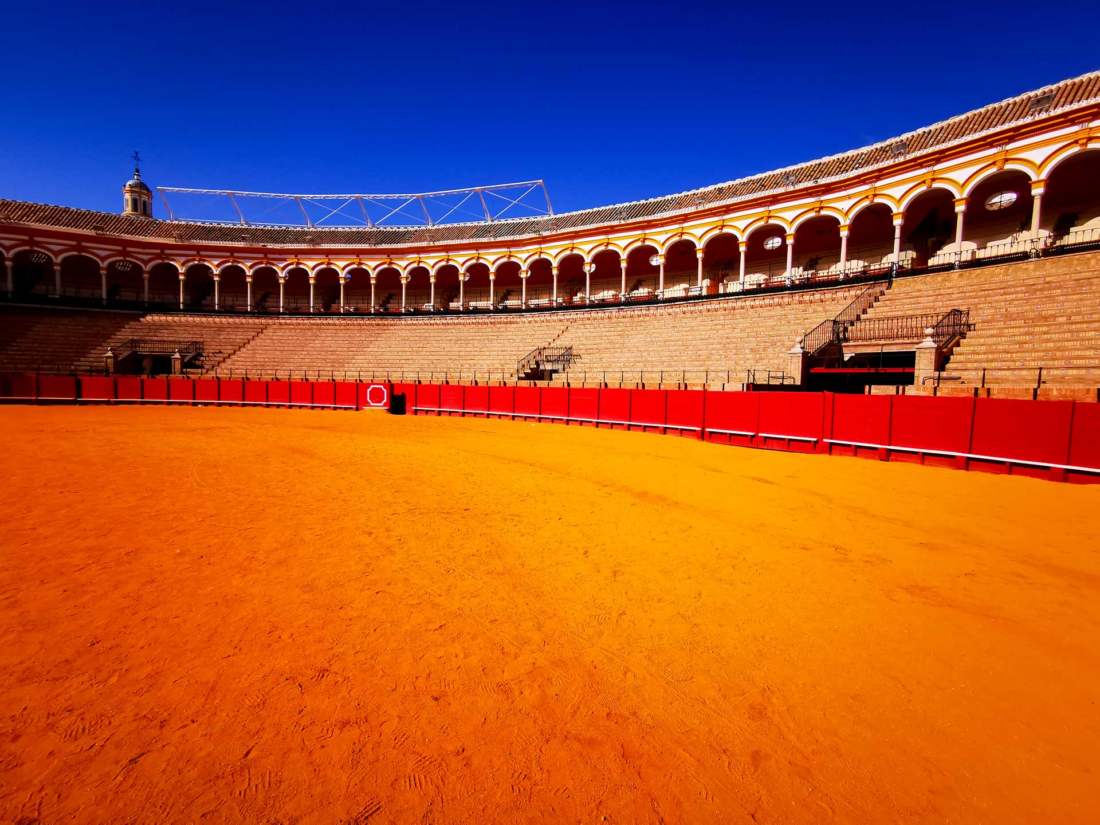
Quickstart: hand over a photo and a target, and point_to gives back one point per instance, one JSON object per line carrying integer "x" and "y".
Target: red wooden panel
{"x": 57, "y": 387}
{"x": 206, "y": 389}
{"x": 128, "y": 387}
{"x": 427, "y": 397}
{"x": 278, "y": 392}
{"x": 154, "y": 389}
{"x": 647, "y": 407}
{"x": 450, "y": 397}
{"x": 1085, "y": 437}
{"x": 19, "y": 385}
{"x": 181, "y": 389}
{"x": 1027, "y": 430}
{"x": 615, "y": 407}
{"x": 862, "y": 418}
{"x": 685, "y": 408}
{"x": 502, "y": 400}
{"x": 344, "y": 394}
{"x": 791, "y": 413}
{"x": 255, "y": 392}
{"x": 732, "y": 411}
{"x": 324, "y": 394}
{"x": 527, "y": 400}
{"x": 584, "y": 402}
{"x": 477, "y": 399}
{"x": 931, "y": 423}
{"x": 301, "y": 393}
{"x": 555, "y": 402}
{"x": 97, "y": 388}
{"x": 231, "y": 390}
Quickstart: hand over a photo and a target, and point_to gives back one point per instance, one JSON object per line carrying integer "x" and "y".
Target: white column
{"x": 1037, "y": 189}
{"x": 312, "y": 281}
{"x": 282, "y": 292}
{"x": 899, "y": 218}
{"x": 404, "y": 285}
{"x": 492, "y": 290}
{"x": 145, "y": 286}
{"x": 8, "y": 285}
{"x": 660, "y": 276}
{"x": 589, "y": 267}
{"x": 960, "y": 212}
{"x": 461, "y": 290}
{"x": 790, "y": 256}
{"x": 699, "y": 267}
{"x": 373, "y": 281}
{"x": 217, "y": 291}
{"x": 622, "y": 279}
{"x": 342, "y": 280}
{"x": 102, "y": 285}
{"x": 742, "y": 247}
{"x": 431, "y": 291}
{"x": 523, "y": 287}
{"x": 57, "y": 280}
{"x": 183, "y": 277}
{"x": 843, "y": 249}
{"x": 248, "y": 292}
{"x": 554, "y": 288}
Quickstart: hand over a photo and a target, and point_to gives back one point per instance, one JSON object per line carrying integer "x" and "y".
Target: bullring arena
{"x": 773, "y": 501}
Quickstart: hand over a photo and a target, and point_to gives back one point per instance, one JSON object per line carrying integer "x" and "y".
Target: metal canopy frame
{"x": 476, "y": 204}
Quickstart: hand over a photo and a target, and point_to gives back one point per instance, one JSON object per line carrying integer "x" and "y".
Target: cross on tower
{"x": 137, "y": 158}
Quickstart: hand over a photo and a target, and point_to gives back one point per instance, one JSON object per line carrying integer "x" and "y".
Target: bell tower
{"x": 137, "y": 198}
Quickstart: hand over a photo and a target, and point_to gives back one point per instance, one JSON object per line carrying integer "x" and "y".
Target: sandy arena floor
{"x": 320, "y": 617}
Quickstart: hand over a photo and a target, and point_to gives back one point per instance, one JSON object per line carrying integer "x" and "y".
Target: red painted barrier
{"x": 154, "y": 389}
{"x": 648, "y": 409}
{"x": 57, "y": 388}
{"x": 324, "y": 394}
{"x": 301, "y": 393}
{"x": 255, "y": 392}
{"x": 128, "y": 388}
{"x": 97, "y": 388}
{"x": 231, "y": 390}
{"x": 685, "y": 411}
{"x": 1050, "y": 439}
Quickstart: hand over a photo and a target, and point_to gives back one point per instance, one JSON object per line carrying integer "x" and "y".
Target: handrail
{"x": 542, "y": 357}
{"x": 834, "y": 330}
{"x": 163, "y": 346}
{"x": 943, "y": 326}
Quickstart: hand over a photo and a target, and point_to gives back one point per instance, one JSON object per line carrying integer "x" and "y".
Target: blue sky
{"x": 607, "y": 102}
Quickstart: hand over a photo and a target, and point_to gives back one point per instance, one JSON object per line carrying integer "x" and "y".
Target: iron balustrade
{"x": 834, "y": 330}
{"x": 162, "y": 346}
{"x": 542, "y": 359}
{"x": 953, "y": 324}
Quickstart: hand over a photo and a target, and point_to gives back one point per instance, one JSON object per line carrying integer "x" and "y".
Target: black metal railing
{"x": 834, "y": 330}
{"x": 545, "y": 359}
{"x": 162, "y": 346}
{"x": 940, "y": 326}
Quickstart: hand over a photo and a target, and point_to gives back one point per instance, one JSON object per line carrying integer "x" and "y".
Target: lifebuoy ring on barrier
{"x": 373, "y": 400}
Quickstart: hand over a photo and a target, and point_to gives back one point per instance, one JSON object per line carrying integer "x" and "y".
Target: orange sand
{"x": 317, "y": 617}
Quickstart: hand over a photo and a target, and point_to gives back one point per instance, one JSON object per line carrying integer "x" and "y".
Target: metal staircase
{"x": 542, "y": 363}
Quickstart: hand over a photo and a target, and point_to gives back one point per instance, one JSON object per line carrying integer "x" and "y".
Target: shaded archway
{"x": 418, "y": 292}
{"x": 296, "y": 289}
{"x": 765, "y": 254}
{"x": 387, "y": 289}
{"x": 998, "y": 212}
{"x": 928, "y": 226}
{"x": 508, "y": 287}
{"x": 164, "y": 284}
{"x": 265, "y": 289}
{"x": 722, "y": 261}
{"x": 682, "y": 269}
{"x": 817, "y": 244}
{"x": 540, "y": 283}
{"x": 446, "y": 287}
{"x": 80, "y": 278}
{"x": 198, "y": 290}
{"x": 571, "y": 278}
{"x": 1070, "y": 207}
{"x": 356, "y": 289}
{"x": 476, "y": 287}
{"x": 125, "y": 283}
{"x": 606, "y": 277}
{"x": 232, "y": 289}
{"x": 326, "y": 289}
{"x": 870, "y": 238}
{"x": 642, "y": 275}
{"x": 32, "y": 273}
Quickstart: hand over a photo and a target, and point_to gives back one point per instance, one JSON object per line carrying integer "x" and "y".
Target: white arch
{"x": 945, "y": 184}
{"x": 1011, "y": 166}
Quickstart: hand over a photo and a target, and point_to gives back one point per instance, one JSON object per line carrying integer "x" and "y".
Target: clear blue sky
{"x": 607, "y": 102}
